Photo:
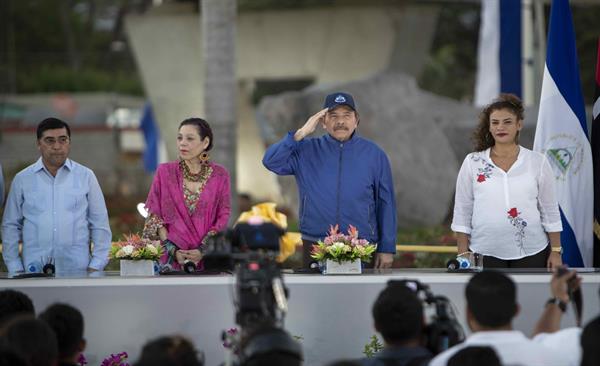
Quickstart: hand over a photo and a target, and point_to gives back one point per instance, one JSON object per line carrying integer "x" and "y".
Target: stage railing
{"x": 426, "y": 248}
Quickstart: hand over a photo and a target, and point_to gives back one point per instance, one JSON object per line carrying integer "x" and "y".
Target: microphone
{"x": 34, "y": 267}
{"x": 458, "y": 263}
{"x": 279, "y": 294}
{"x": 189, "y": 266}
{"x": 453, "y": 264}
{"x": 49, "y": 269}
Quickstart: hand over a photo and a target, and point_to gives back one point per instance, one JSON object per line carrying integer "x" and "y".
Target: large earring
{"x": 204, "y": 157}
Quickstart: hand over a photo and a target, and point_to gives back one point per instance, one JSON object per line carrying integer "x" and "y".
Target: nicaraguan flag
{"x": 499, "y": 54}
{"x": 561, "y": 134}
{"x": 156, "y": 151}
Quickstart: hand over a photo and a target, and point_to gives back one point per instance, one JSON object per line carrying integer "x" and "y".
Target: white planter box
{"x": 137, "y": 268}
{"x": 333, "y": 267}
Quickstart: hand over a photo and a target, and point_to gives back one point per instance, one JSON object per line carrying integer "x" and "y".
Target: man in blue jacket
{"x": 342, "y": 179}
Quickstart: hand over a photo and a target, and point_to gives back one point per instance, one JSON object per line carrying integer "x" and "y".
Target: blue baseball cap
{"x": 337, "y": 99}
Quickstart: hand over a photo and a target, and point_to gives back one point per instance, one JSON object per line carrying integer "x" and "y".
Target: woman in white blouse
{"x": 505, "y": 206}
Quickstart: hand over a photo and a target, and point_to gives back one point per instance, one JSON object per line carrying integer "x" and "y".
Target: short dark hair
{"x": 8, "y": 356}
{"x": 52, "y": 124}
{"x": 203, "y": 127}
{"x": 170, "y": 350}
{"x": 344, "y": 363}
{"x": 475, "y": 356}
{"x": 32, "y": 339}
{"x": 268, "y": 345}
{"x": 492, "y": 298}
{"x": 67, "y": 323}
{"x": 398, "y": 314}
{"x": 590, "y": 339}
{"x": 13, "y": 303}
{"x": 274, "y": 358}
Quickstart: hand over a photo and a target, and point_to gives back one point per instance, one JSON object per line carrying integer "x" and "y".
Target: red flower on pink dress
{"x": 513, "y": 212}
{"x": 480, "y": 178}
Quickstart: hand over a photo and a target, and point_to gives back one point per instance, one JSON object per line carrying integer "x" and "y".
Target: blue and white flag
{"x": 156, "y": 151}
{"x": 562, "y": 135}
{"x": 499, "y": 54}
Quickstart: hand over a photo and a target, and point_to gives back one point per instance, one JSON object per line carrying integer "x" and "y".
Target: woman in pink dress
{"x": 189, "y": 198}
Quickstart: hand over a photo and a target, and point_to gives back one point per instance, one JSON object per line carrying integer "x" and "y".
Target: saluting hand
{"x": 310, "y": 125}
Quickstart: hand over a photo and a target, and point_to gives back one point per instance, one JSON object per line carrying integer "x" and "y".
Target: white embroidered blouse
{"x": 506, "y": 214}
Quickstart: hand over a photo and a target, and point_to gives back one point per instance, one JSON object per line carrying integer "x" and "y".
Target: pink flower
{"x": 333, "y": 230}
{"x": 481, "y": 178}
{"x": 513, "y": 212}
{"x": 352, "y": 231}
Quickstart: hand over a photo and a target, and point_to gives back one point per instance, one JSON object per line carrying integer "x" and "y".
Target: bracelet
{"x": 207, "y": 236}
{"x": 556, "y": 301}
{"x": 170, "y": 247}
{"x": 203, "y": 244}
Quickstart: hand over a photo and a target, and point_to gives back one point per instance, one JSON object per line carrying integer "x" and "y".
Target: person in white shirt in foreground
{"x": 491, "y": 307}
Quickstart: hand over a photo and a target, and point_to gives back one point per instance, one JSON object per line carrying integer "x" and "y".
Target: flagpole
{"x": 527, "y": 49}
{"x": 540, "y": 40}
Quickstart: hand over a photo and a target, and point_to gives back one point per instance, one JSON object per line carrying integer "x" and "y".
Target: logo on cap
{"x": 340, "y": 99}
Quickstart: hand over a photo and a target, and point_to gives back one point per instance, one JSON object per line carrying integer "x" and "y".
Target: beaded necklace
{"x": 191, "y": 198}
{"x": 201, "y": 176}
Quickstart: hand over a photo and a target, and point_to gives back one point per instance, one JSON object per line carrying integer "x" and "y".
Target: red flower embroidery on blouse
{"x": 513, "y": 212}
{"x": 481, "y": 178}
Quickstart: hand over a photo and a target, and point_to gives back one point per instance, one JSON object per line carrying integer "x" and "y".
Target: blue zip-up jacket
{"x": 345, "y": 183}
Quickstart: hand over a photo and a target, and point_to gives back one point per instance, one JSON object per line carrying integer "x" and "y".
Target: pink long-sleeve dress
{"x": 189, "y": 216}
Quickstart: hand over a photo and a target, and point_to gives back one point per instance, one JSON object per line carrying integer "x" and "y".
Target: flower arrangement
{"x": 341, "y": 247}
{"x": 135, "y": 247}
{"x": 116, "y": 360}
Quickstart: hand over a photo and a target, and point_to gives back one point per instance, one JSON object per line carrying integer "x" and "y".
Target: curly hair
{"x": 482, "y": 138}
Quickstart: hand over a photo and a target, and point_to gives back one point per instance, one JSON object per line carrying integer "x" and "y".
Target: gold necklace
{"x": 511, "y": 156}
{"x": 202, "y": 175}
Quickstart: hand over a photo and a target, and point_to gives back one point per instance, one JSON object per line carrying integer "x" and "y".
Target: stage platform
{"x": 331, "y": 314}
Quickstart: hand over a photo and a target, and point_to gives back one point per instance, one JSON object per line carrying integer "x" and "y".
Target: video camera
{"x": 249, "y": 250}
{"x": 443, "y": 329}
{"x": 245, "y": 242}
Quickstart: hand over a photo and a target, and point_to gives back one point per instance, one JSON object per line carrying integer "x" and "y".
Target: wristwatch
{"x": 561, "y": 304}
{"x": 559, "y": 251}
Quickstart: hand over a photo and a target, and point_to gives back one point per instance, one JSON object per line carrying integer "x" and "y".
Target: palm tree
{"x": 220, "y": 82}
